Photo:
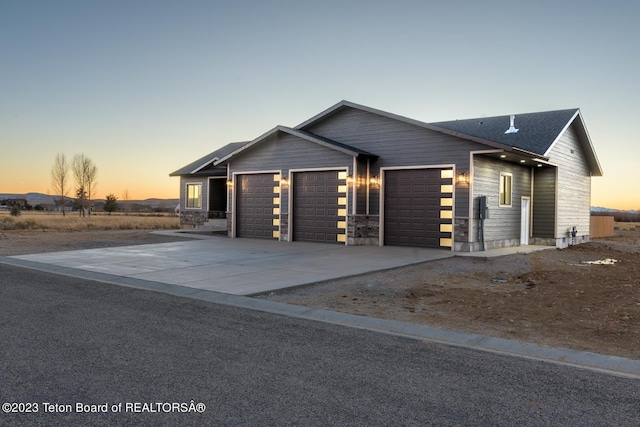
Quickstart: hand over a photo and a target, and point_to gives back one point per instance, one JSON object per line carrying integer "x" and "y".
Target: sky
{"x": 144, "y": 87}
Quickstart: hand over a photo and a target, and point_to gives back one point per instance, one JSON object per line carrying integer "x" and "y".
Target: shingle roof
{"x": 536, "y": 131}
{"x": 207, "y": 160}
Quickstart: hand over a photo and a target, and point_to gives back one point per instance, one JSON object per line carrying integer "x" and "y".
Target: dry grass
{"x": 72, "y": 222}
{"x": 627, "y": 225}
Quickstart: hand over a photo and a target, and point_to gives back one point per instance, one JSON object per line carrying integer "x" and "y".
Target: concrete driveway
{"x": 236, "y": 266}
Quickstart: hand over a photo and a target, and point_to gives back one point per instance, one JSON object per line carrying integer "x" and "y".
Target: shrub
{"x": 15, "y": 210}
{"x": 27, "y": 224}
{"x": 7, "y": 223}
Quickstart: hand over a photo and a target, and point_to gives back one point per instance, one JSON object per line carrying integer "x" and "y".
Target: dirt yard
{"x": 553, "y": 297}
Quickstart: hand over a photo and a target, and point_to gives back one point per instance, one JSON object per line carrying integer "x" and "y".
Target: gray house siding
{"x": 399, "y": 144}
{"x": 193, "y": 217}
{"x": 502, "y": 228}
{"x": 284, "y": 152}
{"x": 574, "y": 187}
{"x": 544, "y": 202}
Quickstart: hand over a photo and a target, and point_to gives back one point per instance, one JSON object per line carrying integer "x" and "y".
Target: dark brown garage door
{"x": 319, "y": 206}
{"x": 257, "y": 206}
{"x": 418, "y": 207}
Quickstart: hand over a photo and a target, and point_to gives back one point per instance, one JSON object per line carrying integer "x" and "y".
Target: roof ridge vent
{"x": 512, "y": 125}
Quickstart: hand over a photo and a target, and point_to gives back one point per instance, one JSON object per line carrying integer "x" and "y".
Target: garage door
{"x": 320, "y": 206}
{"x": 418, "y": 207}
{"x": 257, "y": 205}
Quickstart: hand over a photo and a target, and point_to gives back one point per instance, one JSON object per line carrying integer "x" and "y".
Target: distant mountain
{"x": 40, "y": 198}
{"x": 599, "y": 209}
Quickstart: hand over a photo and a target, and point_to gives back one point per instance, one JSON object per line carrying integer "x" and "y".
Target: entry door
{"x": 525, "y": 219}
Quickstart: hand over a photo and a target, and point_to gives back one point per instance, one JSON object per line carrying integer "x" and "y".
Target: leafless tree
{"x": 127, "y": 206}
{"x": 85, "y": 173}
{"x": 60, "y": 178}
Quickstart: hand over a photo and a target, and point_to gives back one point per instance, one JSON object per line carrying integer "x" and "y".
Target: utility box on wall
{"x": 484, "y": 207}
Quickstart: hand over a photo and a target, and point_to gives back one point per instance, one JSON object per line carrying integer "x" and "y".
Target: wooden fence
{"x": 601, "y": 226}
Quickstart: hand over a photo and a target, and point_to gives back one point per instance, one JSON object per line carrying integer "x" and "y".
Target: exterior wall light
{"x": 374, "y": 180}
{"x": 463, "y": 178}
{"x": 229, "y": 183}
{"x": 284, "y": 181}
{"x": 349, "y": 179}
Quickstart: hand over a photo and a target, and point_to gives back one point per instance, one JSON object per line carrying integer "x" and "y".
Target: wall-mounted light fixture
{"x": 349, "y": 179}
{"x": 229, "y": 183}
{"x": 463, "y": 177}
{"x": 374, "y": 180}
{"x": 284, "y": 181}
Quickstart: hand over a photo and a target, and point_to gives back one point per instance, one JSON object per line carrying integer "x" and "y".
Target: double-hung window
{"x": 194, "y": 196}
{"x": 505, "y": 189}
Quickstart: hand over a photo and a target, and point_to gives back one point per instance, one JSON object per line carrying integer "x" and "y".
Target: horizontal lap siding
{"x": 544, "y": 202}
{"x": 399, "y": 144}
{"x": 503, "y": 222}
{"x": 284, "y": 152}
{"x": 574, "y": 185}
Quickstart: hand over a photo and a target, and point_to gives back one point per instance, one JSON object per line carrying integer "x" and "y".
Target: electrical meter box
{"x": 484, "y": 207}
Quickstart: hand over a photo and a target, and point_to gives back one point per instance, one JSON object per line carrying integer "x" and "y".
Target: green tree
{"x": 15, "y": 210}
{"x": 81, "y": 201}
{"x": 111, "y": 204}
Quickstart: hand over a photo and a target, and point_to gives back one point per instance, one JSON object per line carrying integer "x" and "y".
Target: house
{"x": 356, "y": 175}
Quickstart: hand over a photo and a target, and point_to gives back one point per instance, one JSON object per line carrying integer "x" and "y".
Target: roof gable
{"x": 207, "y": 160}
{"x": 326, "y": 114}
{"x": 300, "y": 134}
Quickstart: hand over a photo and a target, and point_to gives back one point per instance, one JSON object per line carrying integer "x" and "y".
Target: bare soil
{"x": 553, "y": 297}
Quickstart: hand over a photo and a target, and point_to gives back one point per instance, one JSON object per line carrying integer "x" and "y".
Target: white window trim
{"x": 500, "y": 190}
{"x": 186, "y": 195}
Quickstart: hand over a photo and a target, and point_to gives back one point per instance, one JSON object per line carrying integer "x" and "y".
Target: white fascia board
{"x": 205, "y": 164}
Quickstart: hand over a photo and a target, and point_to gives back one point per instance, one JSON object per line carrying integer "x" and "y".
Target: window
{"x": 194, "y": 195}
{"x": 505, "y": 189}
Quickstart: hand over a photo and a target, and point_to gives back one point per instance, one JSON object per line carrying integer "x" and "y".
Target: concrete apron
{"x": 237, "y": 266}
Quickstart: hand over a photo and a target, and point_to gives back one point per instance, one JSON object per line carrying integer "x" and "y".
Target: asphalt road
{"x": 143, "y": 357}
